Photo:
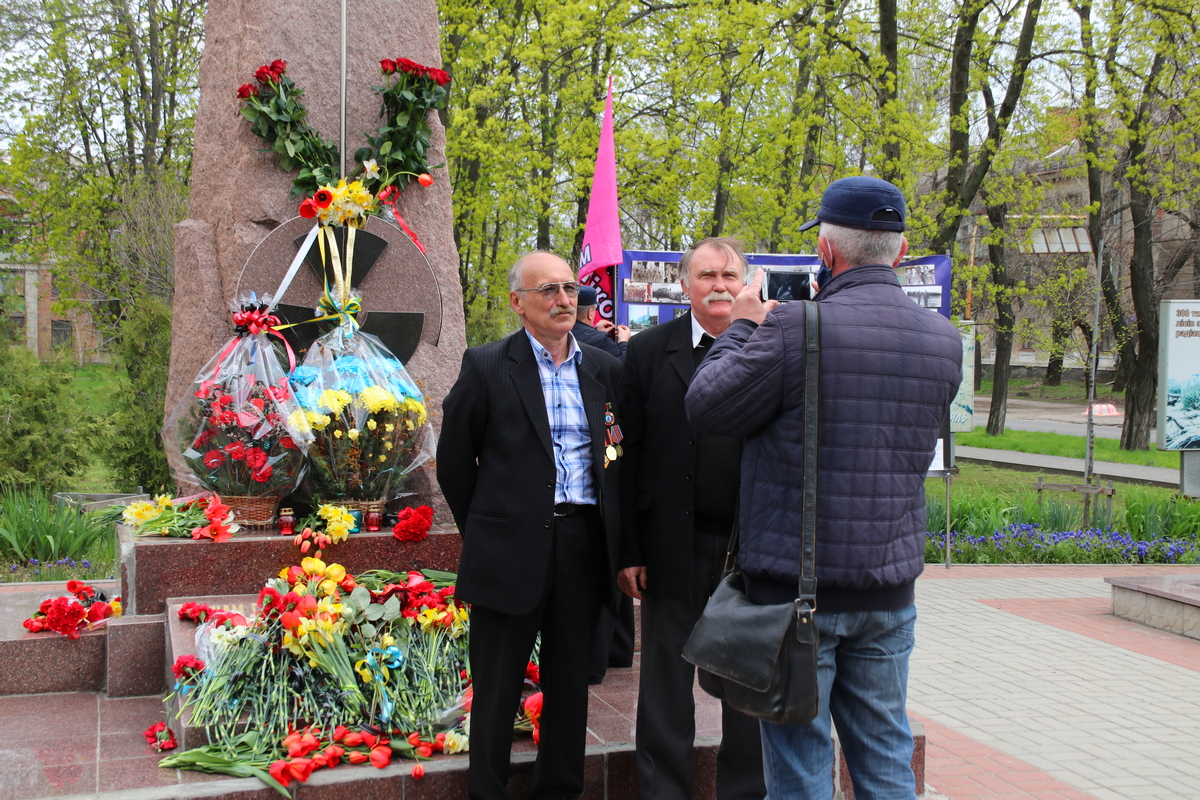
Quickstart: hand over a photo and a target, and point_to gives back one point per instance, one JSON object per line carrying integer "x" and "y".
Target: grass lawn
{"x": 1067, "y": 393}
{"x": 1057, "y": 444}
{"x": 974, "y": 480}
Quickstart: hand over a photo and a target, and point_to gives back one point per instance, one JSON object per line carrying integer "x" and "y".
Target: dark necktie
{"x": 701, "y": 350}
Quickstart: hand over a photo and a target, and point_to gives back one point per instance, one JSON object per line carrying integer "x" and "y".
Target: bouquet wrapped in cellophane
{"x": 366, "y": 416}
{"x": 233, "y": 433}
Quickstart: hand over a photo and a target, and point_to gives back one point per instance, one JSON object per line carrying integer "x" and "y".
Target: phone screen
{"x": 787, "y": 286}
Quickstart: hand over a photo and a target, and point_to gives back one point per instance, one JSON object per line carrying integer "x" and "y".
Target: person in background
{"x": 612, "y": 339}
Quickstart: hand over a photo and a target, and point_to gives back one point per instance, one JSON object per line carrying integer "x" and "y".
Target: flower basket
{"x": 253, "y": 512}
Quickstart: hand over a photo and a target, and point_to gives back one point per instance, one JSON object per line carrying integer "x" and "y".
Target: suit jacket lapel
{"x": 528, "y": 383}
{"x": 679, "y": 349}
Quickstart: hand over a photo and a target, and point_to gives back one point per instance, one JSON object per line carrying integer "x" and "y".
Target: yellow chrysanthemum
{"x": 378, "y": 399}
{"x": 372, "y": 424}
{"x": 298, "y": 421}
{"x": 316, "y": 420}
{"x": 389, "y": 428}
{"x": 334, "y": 400}
{"x": 417, "y": 408}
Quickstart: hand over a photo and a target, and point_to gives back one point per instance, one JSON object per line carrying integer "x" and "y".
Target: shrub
{"x": 42, "y": 432}
{"x": 132, "y": 446}
{"x": 34, "y": 527}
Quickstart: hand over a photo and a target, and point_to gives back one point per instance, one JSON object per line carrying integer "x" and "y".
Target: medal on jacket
{"x": 612, "y": 436}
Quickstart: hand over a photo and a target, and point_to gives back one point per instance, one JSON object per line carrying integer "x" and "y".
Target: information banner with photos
{"x": 1179, "y": 375}
{"x": 647, "y": 291}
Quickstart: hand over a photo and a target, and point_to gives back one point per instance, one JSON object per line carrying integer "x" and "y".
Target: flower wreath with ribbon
{"x": 394, "y": 154}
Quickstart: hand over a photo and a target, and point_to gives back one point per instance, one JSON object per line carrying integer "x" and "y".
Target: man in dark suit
{"x": 678, "y": 502}
{"x": 528, "y": 465}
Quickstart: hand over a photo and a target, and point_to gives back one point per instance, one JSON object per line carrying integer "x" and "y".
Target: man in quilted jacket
{"x": 888, "y": 372}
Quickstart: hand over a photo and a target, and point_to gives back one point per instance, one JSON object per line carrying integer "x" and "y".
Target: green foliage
{"x": 42, "y": 432}
{"x": 132, "y": 445}
{"x": 33, "y": 527}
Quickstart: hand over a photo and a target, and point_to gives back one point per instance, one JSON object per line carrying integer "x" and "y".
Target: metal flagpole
{"x": 342, "y": 138}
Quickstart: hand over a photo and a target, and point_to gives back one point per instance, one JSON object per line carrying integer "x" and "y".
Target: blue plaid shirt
{"x": 569, "y": 431}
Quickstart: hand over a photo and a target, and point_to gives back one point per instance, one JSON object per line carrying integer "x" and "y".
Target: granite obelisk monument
{"x": 240, "y": 194}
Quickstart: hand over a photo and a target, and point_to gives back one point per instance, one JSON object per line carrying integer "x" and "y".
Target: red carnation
{"x": 247, "y": 90}
{"x": 98, "y": 612}
{"x": 262, "y": 474}
{"x": 160, "y": 737}
{"x": 387, "y": 66}
{"x": 213, "y": 459}
{"x": 255, "y": 457}
{"x": 287, "y": 443}
{"x": 185, "y": 667}
{"x": 412, "y": 524}
{"x": 235, "y": 450}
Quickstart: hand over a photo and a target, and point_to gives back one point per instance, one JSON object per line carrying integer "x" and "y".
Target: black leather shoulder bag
{"x": 762, "y": 659}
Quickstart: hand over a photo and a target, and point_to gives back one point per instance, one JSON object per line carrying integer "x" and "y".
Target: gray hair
{"x": 514, "y": 272}
{"x": 858, "y": 246}
{"x": 732, "y": 247}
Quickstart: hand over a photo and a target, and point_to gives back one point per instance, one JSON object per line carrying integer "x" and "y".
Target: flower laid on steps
{"x": 85, "y": 608}
{"x": 160, "y": 737}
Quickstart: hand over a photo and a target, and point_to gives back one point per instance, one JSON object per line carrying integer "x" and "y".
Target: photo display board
{"x": 1179, "y": 375}
{"x": 647, "y": 291}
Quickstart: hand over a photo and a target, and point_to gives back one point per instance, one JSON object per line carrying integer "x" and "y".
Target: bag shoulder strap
{"x": 807, "y": 589}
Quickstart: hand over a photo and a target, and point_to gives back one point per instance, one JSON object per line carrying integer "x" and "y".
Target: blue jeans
{"x": 862, "y": 675}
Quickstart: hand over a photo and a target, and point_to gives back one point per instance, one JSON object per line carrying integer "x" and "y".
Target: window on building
{"x": 1058, "y": 240}
{"x": 12, "y": 287}
{"x": 61, "y": 333}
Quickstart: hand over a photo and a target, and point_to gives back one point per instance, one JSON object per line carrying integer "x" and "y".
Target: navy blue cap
{"x": 587, "y": 296}
{"x": 861, "y": 202}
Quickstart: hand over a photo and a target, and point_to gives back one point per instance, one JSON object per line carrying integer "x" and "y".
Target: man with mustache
{"x": 678, "y": 499}
{"x": 528, "y": 465}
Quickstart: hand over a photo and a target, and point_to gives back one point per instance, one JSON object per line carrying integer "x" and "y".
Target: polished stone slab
{"x": 1167, "y": 602}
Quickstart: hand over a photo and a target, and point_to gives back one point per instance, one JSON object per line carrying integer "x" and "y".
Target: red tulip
{"x": 279, "y": 771}
{"x": 357, "y": 757}
{"x": 418, "y": 772}
{"x": 425, "y": 179}
{"x": 323, "y": 198}
{"x": 353, "y": 739}
{"x": 333, "y": 755}
{"x": 381, "y": 756}
{"x": 308, "y": 209}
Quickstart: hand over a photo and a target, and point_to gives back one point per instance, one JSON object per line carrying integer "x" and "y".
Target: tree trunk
{"x": 1005, "y": 322}
{"x": 1060, "y": 335}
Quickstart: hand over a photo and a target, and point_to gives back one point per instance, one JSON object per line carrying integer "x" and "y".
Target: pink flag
{"x": 602, "y": 234}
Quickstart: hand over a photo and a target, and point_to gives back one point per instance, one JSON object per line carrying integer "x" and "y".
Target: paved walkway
{"x": 1029, "y": 688}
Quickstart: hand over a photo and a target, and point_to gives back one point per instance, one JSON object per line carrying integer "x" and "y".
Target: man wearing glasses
{"x": 527, "y": 461}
